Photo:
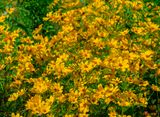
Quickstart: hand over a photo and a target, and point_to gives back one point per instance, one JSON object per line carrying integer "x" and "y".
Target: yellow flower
{"x": 139, "y": 30}
{"x": 155, "y": 88}
{"x": 107, "y": 100}
{"x": 8, "y": 48}
{"x": 143, "y": 83}
{"x": 115, "y": 81}
{"x": 67, "y": 115}
{"x": 97, "y": 0}
{"x": 50, "y": 100}
{"x": 112, "y": 114}
{"x": 45, "y": 108}
{"x": 113, "y": 43}
{"x": 2, "y": 29}
{"x": 67, "y": 28}
{"x": 124, "y": 32}
{"x": 102, "y": 33}
{"x": 83, "y": 115}
{"x": 29, "y": 67}
{"x": 40, "y": 86}
{"x": 85, "y": 53}
{"x": 15, "y": 96}
{"x": 82, "y": 90}
{"x": 62, "y": 98}
{"x": 73, "y": 96}
{"x": 94, "y": 99}
{"x": 38, "y": 37}
{"x": 133, "y": 56}
{"x": 147, "y": 55}
{"x": 16, "y": 115}
{"x": 50, "y": 115}
{"x": 47, "y": 16}
{"x": 34, "y": 102}
{"x": 59, "y": 68}
{"x": 98, "y": 42}
{"x": 123, "y": 64}
{"x": 143, "y": 101}
{"x": 16, "y": 83}
{"x": 37, "y": 106}
{"x": 86, "y": 67}
{"x": 111, "y": 22}
{"x": 66, "y": 71}
{"x": 10, "y": 10}
{"x": 83, "y": 106}
{"x": 56, "y": 88}
{"x": 96, "y": 61}
{"x": 110, "y": 90}
{"x": 38, "y": 29}
{"x": 64, "y": 56}
{"x": 2, "y": 18}
{"x": 123, "y": 102}
{"x": 152, "y": 27}
{"x": 2, "y": 67}
{"x": 158, "y": 72}
{"x": 137, "y": 5}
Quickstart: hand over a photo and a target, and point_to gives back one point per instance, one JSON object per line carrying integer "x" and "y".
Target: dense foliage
{"x": 85, "y": 58}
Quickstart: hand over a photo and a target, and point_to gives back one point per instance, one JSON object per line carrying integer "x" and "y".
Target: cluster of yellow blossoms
{"x": 95, "y": 64}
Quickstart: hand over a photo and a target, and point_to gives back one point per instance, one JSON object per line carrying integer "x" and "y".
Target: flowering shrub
{"x": 87, "y": 58}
